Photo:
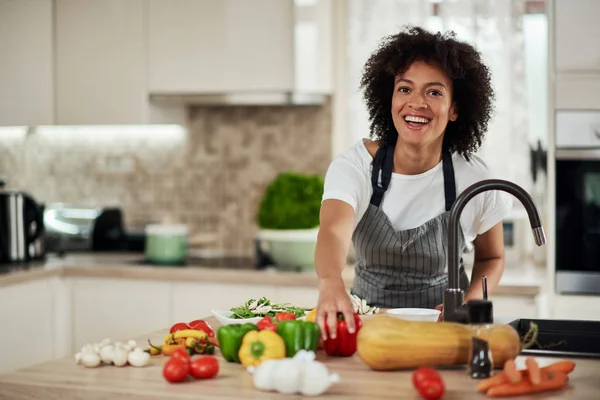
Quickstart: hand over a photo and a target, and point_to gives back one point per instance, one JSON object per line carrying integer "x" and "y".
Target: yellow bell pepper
{"x": 312, "y": 315}
{"x": 260, "y": 346}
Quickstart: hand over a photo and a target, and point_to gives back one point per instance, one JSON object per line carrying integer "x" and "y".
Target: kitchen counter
{"x": 130, "y": 266}
{"x": 63, "y": 379}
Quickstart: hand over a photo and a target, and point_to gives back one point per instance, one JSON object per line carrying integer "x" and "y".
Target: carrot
{"x": 535, "y": 374}
{"x": 510, "y": 369}
{"x": 550, "y": 381}
{"x": 564, "y": 366}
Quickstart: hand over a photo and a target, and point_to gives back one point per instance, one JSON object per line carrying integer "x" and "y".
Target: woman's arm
{"x": 333, "y": 242}
{"x": 489, "y": 262}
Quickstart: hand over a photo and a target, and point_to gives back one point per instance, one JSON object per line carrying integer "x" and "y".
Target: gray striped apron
{"x": 406, "y": 268}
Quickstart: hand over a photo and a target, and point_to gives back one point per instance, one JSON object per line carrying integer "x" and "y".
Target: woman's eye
{"x": 435, "y": 92}
{"x": 403, "y": 89}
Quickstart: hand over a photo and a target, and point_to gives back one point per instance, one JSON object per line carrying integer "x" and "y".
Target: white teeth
{"x": 421, "y": 120}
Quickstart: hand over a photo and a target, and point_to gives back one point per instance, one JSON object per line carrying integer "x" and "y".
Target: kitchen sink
{"x": 562, "y": 338}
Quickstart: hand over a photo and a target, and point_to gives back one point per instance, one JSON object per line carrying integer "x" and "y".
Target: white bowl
{"x": 224, "y": 318}
{"x": 415, "y": 314}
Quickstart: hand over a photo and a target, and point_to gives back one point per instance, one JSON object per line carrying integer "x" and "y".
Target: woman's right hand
{"x": 333, "y": 298}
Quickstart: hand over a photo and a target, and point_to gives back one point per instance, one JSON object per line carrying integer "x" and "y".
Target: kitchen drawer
{"x": 577, "y": 128}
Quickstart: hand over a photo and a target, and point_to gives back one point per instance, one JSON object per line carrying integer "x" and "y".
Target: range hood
{"x": 288, "y": 63}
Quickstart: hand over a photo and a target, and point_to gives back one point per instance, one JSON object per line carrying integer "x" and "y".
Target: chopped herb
{"x": 263, "y": 308}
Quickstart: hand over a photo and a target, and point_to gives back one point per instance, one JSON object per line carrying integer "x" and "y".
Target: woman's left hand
{"x": 441, "y": 308}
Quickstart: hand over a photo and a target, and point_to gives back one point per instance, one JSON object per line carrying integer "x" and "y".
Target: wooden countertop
{"x": 63, "y": 379}
{"x": 128, "y": 266}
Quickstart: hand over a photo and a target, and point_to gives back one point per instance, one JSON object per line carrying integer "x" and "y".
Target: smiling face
{"x": 422, "y": 104}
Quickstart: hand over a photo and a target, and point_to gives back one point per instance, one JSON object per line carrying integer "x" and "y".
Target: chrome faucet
{"x": 454, "y": 309}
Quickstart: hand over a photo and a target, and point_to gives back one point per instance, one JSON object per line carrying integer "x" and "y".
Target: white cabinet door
{"x": 576, "y": 307}
{"x": 28, "y": 324}
{"x": 576, "y": 34}
{"x": 510, "y": 306}
{"x": 305, "y": 297}
{"x": 100, "y": 62}
{"x": 118, "y": 309}
{"x": 196, "y": 300}
{"x": 207, "y": 46}
{"x": 26, "y": 94}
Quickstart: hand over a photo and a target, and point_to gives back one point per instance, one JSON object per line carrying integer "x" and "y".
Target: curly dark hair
{"x": 472, "y": 90}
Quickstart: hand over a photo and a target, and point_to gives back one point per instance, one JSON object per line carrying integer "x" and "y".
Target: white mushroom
{"x": 138, "y": 358}
{"x": 107, "y": 354}
{"x": 120, "y": 356}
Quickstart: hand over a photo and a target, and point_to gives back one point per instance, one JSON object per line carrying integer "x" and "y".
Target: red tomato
{"x": 201, "y": 325}
{"x": 175, "y": 370}
{"x": 424, "y": 373}
{"x": 181, "y": 355}
{"x": 282, "y": 316}
{"x": 204, "y": 367}
{"x": 431, "y": 388}
{"x": 179, "y": 327}
{"x": 429, "y": 383}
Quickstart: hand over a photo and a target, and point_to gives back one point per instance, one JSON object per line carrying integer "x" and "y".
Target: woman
{"x": 429, "y": 99}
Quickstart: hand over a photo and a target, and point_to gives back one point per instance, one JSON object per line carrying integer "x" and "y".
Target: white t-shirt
{"x": 412, "y": 200}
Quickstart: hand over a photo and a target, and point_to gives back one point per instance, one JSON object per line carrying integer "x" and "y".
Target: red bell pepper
{"x": 201, "y": 325}
{"x": 344, "y": 344}
{"x": 267, "y": 324}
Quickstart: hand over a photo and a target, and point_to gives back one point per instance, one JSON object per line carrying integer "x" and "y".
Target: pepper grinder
{"x": 481, "y": 320}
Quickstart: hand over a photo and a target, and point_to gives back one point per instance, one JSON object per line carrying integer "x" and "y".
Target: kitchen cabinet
{"x": 576, "y": 33}
{"x": 576, "y": 307}
{"x": 100, "y": 62}
{"x": 26, "y": 63}
{"x": 117, "y": 309}
{"x": 207, "y": 46}
{"x": 512, "y": 306}
{"x": 28, "y": 324}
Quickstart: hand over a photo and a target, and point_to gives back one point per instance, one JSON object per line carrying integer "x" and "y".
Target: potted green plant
{"x": 288, "y": 219}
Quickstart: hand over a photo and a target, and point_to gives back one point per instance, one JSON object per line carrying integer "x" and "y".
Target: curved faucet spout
{"x": 453, "y": 292}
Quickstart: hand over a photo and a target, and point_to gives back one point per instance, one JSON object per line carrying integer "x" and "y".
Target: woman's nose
{"x": 417, "y": 102}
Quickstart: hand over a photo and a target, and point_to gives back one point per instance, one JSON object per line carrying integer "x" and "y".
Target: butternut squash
{"x": 388, "y": 343}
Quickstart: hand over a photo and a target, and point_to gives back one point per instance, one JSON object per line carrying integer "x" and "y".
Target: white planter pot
{"x": 291, "y": 249}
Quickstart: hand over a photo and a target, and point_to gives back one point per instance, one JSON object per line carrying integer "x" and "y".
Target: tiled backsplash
{"x": 210, "y": 177}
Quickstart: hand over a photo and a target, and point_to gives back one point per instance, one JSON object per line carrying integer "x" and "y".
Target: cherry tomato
{"x": 179, "y": 327}
{"x": 181, "y": 355}
{"x": 201, "y": 325}
{"x": 204, "y": 367}
{"x": 424, "y": 373}
{"x": 428, "y": 383}
{"x": 175, "y": 370}
{"x": 264, "y": 323}
{"x": 283, "y": 316}
{"x": 431, "y": 388}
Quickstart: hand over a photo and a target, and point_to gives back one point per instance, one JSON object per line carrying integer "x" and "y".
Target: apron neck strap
{"x": 384, "y": 163}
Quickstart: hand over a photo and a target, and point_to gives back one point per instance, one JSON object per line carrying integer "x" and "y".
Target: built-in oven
{"x": 577, "y": 210}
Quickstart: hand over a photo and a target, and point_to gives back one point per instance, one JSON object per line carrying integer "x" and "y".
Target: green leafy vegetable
{"x": 292, "y": 201}
{"x": 263, "y": 308}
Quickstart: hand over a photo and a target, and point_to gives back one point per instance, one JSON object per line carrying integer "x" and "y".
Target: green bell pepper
{"x": 230, "y": 339}
{"x": 299, "y": 335}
